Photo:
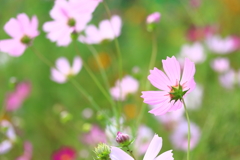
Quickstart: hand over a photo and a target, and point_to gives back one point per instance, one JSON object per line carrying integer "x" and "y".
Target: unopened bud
{"x": 152, "y": 20}
{"x": 123, "y": 139}
{"x": 102, "y": 151}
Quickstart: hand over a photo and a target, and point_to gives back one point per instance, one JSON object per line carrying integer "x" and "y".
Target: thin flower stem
{"x": 120, "y": 68}
{"x": 151, "y": 65}
{"x": 74, "y": 83}
{"x": 189, "y": 131}
{"x": 130, "y": 152}
{"x": 103, "y": 73}
{"x": 105, "y": 93}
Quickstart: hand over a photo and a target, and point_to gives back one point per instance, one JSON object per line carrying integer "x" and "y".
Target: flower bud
{"x": 122, "y": 138}
{"x": 153, "y": 18}
{"x": 102, "y": 151}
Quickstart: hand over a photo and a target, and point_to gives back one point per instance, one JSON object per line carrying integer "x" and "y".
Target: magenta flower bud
{"x": 153, "y": 18}
{"x": 122, "y": 138}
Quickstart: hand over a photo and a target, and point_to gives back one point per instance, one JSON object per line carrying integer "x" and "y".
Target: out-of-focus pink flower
{"x": 15, "y": 99}
{"x": 195, "y": 3}
{"x": 194, "y": 52}
{"x": 220, "y": 65}
{"x": 27, "y": 154}
{"x": 219, "y": 45}
{"x": 108, "y": 30}
{"x": 227, "y": 79}
{"x": 128, "y": 85}
{"x": 153, "y": 18}
{"x": 69, "y": 17}
{"x": 63, "y": 70}
{"x": 151, "y": 154}
{"x": 95, "y": 136}
{"x": 236, "y": 41}
{"x": 194, "y": 99}
{"x": 64, "y": 153}
{"x": 23, "y": 31}
{"x": 171, "y": 119}
{"x": 173, "y": 85}
{"x": 10, "y": 135}
{"x": 179, "y": 136}
{"x": 142, "y": 141}
{"x": 196, "y": 33}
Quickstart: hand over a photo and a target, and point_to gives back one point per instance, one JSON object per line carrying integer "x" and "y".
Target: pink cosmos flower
{"x": 151, "y": 154}
{"x": 15, "y": 99}
{"x": 194, "y": 52}
{"x": 228, "y": 79}
{"x": 196, "y": 33}
{"x": 142, "y": 141}
{"x": 220, "y": 65}
{"x": 27, "y": 154}
{"x": 95, "y": 136}
{"x": 173, "y": 86}
{"x": 10, "y": 135}
{"x": 171, "y": 119}
{"x": 221, "y": 45}
{"x": 128, "y": 85}
{"x": 108, "y": 30}
{"x": 63, "y": 71}
{"x": 195, "y": 3}
{"x": 69, "y": 17}
{"x": 23, "y": 31}
{"x": 179, "y": 136}
{"x": 153, "y": 18}
{"x": 64, "y": 153}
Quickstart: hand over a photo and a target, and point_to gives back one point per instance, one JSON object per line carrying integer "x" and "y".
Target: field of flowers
{"x": 119, "y": 79}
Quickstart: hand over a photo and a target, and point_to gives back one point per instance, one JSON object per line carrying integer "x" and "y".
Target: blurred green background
{"x": 40, "y": 123}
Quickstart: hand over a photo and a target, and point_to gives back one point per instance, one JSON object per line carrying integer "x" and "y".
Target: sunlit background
{"x": 54, "y": 116}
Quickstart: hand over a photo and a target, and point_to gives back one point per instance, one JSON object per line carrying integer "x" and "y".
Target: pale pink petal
{"x": 81, "y": 21}
{"x": 77, "y": 65}
{"x": 155, "y": 97}
{"x": 13, "y": 28}
{"x": 57, "y": 76}
{"x": 176, "y": 105}
{"x": 33, "y": 27}
{"x": 172, "y": 69}
{"x": 159, "y": 80}
{"x": 60, "y": 10}
{"x": 13, "y": 101}
{"x": 63, "y": 65}
{"x": 65, "y": 38}
{"x": 118, "y": 154}
{"x": 23, "y": 89}
{"x": 92, "y": 35}
{"x": 188, "y": 73}
{"x": 5, "y": 146}
{"x": 12, "y": 47}
{"x": 84, "y": 6}
{"x": 153, "y": 18}
{"x": 106, "y": 30}
{"x": 168, "y": 155}
{"x": 24, "y": 23}
{"x": 116, "y": 24}
{"x": 162, "y": 108}
{"x": 154, "y": 148}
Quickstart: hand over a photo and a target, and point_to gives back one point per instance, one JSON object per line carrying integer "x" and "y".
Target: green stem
{"x": 119, "y": 63}
{"x": 151, "y": 65}
{"x": 189, "y": 132}
{"x": 130, "y": 152}
{"x": 78, "y": 87}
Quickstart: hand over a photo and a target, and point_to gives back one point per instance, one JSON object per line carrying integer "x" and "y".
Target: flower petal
{"x": 188, "y": 75}
{"x": 13, "y": 47}
{"x": 154, "y": 97}
{"x": 77, "y": 65}
{"x": 118, "y": 154}
{"x": 153, "y": 148}
{"x": 175, "y": 105}
{"x": 172, "y": 69}
{"x": 163, "y": 108}
{"x": 168, "y": 155}
{"x": 13, "y": 28}
{"x": 62, "y": 65}
{"x": 24, "y": 23}
{"x": 57, "y": 76}
{"x": 159, "y": 80}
